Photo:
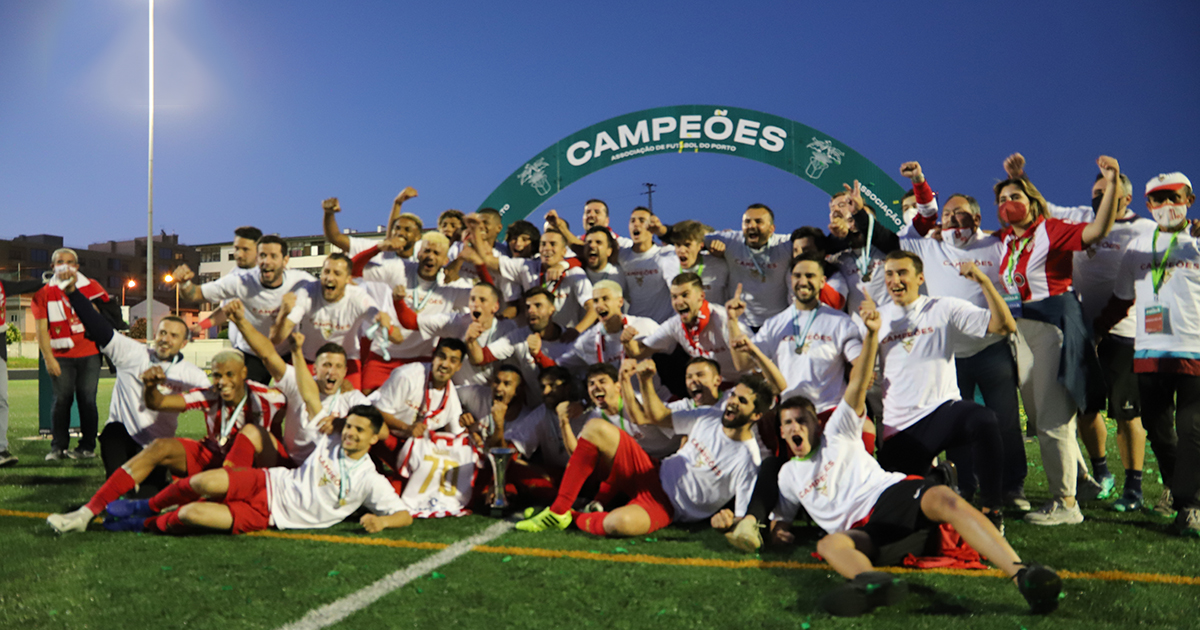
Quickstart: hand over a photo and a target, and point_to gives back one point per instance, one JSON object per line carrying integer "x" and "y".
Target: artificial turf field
{"x": 1121, "y": 570}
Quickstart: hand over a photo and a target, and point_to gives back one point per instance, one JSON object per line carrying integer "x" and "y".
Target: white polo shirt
{"x": 261, "y": 304}
{"x": 811, "y": 349}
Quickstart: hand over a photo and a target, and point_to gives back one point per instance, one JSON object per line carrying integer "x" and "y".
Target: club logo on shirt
{"x": 819, "y": 482}
{"x": 907, "y": 338}
{"x": 641, "y": 274}
{"x": 705, "y": 460}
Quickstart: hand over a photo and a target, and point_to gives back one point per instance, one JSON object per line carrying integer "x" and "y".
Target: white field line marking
{"x": 334, "y": 612}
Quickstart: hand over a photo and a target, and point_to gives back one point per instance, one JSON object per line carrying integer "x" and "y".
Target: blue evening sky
{"x": 266, "y": 107}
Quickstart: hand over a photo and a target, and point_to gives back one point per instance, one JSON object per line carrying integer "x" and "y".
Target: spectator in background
{"x": 7, "y": 288}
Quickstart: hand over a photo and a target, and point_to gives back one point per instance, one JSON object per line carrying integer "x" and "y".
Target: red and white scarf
{"x": 63, "y": 322}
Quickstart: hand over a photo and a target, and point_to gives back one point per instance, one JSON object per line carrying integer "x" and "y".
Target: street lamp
{"x": 169, "y": 279}
{"x": 131, "y": 283}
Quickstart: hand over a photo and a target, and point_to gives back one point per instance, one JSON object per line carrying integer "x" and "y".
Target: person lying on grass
{"x": 862, "y": 507}
{"x": 336, "y": 479}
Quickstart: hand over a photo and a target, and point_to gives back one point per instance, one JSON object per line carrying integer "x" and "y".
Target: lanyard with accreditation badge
{"x": 1157, "y": 318}
{"x": 1016, "y": 248}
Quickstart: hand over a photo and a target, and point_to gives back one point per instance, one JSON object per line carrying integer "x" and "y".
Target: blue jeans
{"x": 77, "y": 383}
{"x": 994, "y": 371}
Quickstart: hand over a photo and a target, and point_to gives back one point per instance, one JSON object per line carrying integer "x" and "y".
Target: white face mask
{"x": 959, "y": 237}
{"x": 1169, "y": 216}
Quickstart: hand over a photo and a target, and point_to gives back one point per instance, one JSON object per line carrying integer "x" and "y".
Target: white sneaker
{"x": 1055, "y": 513}
{"x": 56, "y": 454}
{"x": 76, "y": 521}
{"x": 745, "y": 536}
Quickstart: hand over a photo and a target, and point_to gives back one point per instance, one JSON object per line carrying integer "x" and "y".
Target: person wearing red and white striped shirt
{"x": 1035, "y": 270}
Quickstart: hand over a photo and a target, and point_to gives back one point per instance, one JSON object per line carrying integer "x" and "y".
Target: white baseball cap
{"x": 1168, "y": 181}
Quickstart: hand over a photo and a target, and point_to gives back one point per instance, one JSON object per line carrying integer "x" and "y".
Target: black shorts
{"x": 1116, "y": 361}
{"x": 897, "y": 514}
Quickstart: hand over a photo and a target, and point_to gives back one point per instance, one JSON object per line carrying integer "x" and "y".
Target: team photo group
{"x": 880, "y": 386}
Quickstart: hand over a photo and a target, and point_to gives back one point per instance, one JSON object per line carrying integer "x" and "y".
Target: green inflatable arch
{"x": 785, "y": 144}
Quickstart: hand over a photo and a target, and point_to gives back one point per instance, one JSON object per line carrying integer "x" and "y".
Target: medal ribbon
{"x": 800, "y": 338}
{"x": 344, "y": 476}
{"x": 1158, "y": 267}
{"x": 227, "y": 425}
{"x": 600, "y": 343}
{"x": 425, "y": 404}
{"x": 864, "y": 258}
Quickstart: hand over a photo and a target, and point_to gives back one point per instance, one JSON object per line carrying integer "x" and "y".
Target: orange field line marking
{"x": 641, "y": 558}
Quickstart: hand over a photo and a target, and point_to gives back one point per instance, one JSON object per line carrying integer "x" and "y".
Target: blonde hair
{"x": 1038, "y": 206}
{"x": 609, "y": 285}
{"x": 436, "y": 238}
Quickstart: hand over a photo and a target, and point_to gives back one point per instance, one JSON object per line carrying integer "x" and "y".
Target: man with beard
{"x": 229, "y": 404}
{"x": 599, "y": 251}
{"x": 420, "y": 397}
{"x": 261, "y": 290}
{"x": 758, "y": 260}
{"x": 809, "y": 342}
{"x": 306, "y": 414}
{"x": 987, "y": 362}
{"x": 718, "y": 464}
{"x": 131, "y": 427}
{"x": 643, "y": 263}
{"x": 245, "y": 258}
{"x": 424, "y": 289}
{"x": 688, "y": 239}
{"x": 595, "y": 215}
{"x": 923, "y": 413}
{"x": 811, "y": 240}
{"x": 861, "y": 262}
{"x": 478, "y": 327}
{"x": 700, "y": 327}
{"x": 571, "y": 289}
{"x": 331, "y": 311}
{"x": 539, "y": 345}
{"x": 400, "y": 224}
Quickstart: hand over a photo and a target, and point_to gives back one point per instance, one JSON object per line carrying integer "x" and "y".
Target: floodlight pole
{"x": 150, "y": 192}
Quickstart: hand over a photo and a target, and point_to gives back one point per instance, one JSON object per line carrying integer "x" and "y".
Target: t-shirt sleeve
{"x": 682, "y": 422}
{"x": 967, "y": 318}
{"x": 744, "y": 487}
{"x": 661, "y": 339}
{"x": 433, "y": 324}
{"x": 196, "y": 399}
{"x": 1065, "y": 236}
{"x": 581, "y": 287}
{"x": 851, "y": 341}
{"x": 124, "y": 352}
{"x": 38, "y": 304}
{"x": 303, "y": 305}
{"x": 1123, "y": 288}
{"x": 845, "y": 421}
{"x": 381, "y": 497}
{"x": 226, "y": 287}
{"x": 511, "y": 268}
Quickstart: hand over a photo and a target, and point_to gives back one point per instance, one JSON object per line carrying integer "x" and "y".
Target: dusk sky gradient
{"x": 264, "y": 108}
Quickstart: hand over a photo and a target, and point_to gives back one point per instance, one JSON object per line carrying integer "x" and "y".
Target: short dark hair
{"x": 762, "y": 206}
{"x": 808, "y": 257}
{"x": 606, "y": 369}
{"x": 451, "y": 214}
{"x": 342, "y": 257}
{"x": 491, "y": 211}
{"x": 560, "y": 373}
{"x": 712, "y": 363}
{"x": 599, "y": 201}
{"x": 808, "y": 417}
{"x": 452, "y": 343}
{"x": 600, "y": 229}
{"x": 642, "y": 209}
{"x": 901, "y": 254}
{"x": 508, "y": 367}
{"x": 687, "y": 277}
{"x": 526, "y": 228}
{"x": 248, "y": 232}
{"x": 273, "y": 239}
{"x": 187, "y": 331}
{"x": 495, "y": 292}
{"x": 330, "y": 347}
{"x": 764, "y": 396}
{"x": 542, "y": 291}
{"x": 814, "y": 233}
{"x": 370, "y": 413}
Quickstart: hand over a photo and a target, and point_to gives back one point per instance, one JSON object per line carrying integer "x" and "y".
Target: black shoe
{"x": 1041, "y": 587}
{"x": 994, "y": 515}
{"x": 866, "y": 592}
{"x": 946, "y": 474}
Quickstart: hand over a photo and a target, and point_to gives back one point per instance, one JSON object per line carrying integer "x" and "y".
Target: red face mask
{"x": 1013, "y": 212}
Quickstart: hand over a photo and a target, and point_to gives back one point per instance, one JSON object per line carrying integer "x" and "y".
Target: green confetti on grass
{"x": 1120, "y": 532}
{"x": 226, "y": 588}
{"x": 662, "y": 612}
{"x": 166, "y": 568}
{"x": 436, "y": 576}
{"x": 651, "y": 540}
{"x": 53, "y": 612}
{"x": 621, "y": 550}
{"x": 419, "y": 591}
{"x": 331, "y": 574}
{"x": 506, "y": 559}
{"x": 806, "y": 626}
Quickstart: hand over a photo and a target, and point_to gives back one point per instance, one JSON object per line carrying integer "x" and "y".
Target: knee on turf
{"x": 618, "y": 524}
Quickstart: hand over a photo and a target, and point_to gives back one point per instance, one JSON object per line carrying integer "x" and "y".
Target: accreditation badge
{"x": 1158, "y": 319}
{"x": 1013, "y": 301}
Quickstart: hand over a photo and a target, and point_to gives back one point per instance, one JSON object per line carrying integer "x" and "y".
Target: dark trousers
{"x": 76, "y": 384}
{"x": 117, "y": 447}
{"x": 994, "y": 371}
{"x": 954, "y": 424}
{"x": 256, "y": 370}
{"x": 766, "y": 489}
{"x": 1171, "y": 415}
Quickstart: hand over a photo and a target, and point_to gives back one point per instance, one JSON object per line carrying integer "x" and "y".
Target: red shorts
{"x": 353, "y": 372}
{"x": 635, "y": 474}
{"x": 200, "y": 457}
{"x": 375, "y": 371}
{"x": 247, "y": 500}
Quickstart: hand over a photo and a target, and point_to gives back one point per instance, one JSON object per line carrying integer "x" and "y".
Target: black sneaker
{"x": 866, "y": 592}
{"x": 946, "y": 474}
{"x": 994, "y": 515}
{"x": 1041, "y": 587}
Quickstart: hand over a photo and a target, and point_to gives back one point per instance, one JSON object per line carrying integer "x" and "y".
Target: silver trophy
{"x": 499, "y": 458}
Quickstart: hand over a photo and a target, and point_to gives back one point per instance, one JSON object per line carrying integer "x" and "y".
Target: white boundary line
{"x": 334, "y": 612}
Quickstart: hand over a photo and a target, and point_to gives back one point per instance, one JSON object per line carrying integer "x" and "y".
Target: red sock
{"x": 178, "y": 493}
{"x": 169, "y": 523}
{"x": 591, "y": 522}
{"x": 869, "y": 442}
{"x": 241, "y": 453}
{"x": 118, "y": 484}
{"x": 579, "y": 468}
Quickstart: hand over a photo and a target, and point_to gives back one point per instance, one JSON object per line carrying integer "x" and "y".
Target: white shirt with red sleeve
{"x": 327, "y": 488}
{"x": 408, "y": 396}
{"x": 816, "y": 366}
{"x": 264, "y": 406}
{"x": 261, "y": 303}
{"x": 441, "y": 469}
{"x": 1038, "y": 265}
{"x": 454, "y": 325}
{"x": 341, "y": 322}
{"x": 839, "y": 483}
{"x": 707, "y": 337}
{"x": 918, "y": 361}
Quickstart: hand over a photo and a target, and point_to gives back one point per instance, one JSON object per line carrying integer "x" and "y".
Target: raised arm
{"x": 633, "y": 348}
{"x": 1002, "y": 322}
{"x": 632, "y": 405}
{"x": 652, "y": 405}
{"x": 305, "y": 381}
{"x": 863, "y": 369}
{"x": 333, "y": 234}
{"x": 564, "y": 411}
{"x": 1107, "y": 214}
{"x": 733, "y": 330}
{"x": 261, "y": 346}
{"x": 283, "y": 326}
{"x": 398, "y": 204}
{"x": 743, "y": 345}
{"x": 183, "y": 277}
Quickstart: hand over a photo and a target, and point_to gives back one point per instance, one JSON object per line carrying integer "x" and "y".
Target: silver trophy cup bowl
{"x": 499, "y": 458}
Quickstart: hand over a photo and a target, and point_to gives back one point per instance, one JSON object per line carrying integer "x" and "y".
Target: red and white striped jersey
{"x": 264, "y": 406}
{"x": 1038, "y": 265}
{"x": 441, "y": 471}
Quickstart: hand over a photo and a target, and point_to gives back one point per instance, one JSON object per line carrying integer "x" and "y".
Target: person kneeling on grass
{"x": 718, "y": 464}
{"x": 336, "y": 479}
{"x": 863, "y": 507}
